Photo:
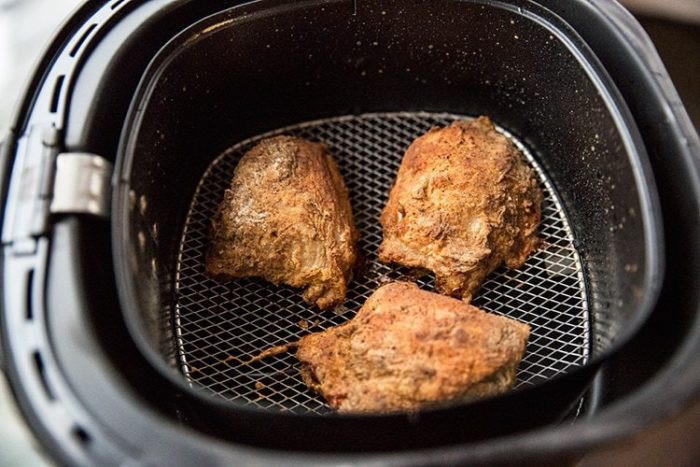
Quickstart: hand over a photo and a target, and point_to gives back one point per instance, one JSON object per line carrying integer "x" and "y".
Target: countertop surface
{"x": 26, "y": 27}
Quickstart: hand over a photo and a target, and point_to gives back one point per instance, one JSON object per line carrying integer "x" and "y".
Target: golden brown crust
{"x": 286, "y": 218}
{"x": 464, "y": 202}
{"x": 408, "y": 348}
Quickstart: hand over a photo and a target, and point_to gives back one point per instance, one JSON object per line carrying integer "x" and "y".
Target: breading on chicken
{"x": 286, "y": 218}
{"x": 408, "y": 348}
{"x": 464, "y": 202}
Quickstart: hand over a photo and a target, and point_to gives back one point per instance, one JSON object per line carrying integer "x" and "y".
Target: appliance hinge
{"x": 45, "y": 182}
{"x": 81, "y": 185}
{"x": 26, "y": 213}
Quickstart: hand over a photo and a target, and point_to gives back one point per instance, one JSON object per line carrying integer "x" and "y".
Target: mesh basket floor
{"x": 219, "y": 324}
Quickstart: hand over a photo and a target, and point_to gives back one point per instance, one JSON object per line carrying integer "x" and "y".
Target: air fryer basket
{"x": 367, "y": 81}
{"x": 548, "y": 292}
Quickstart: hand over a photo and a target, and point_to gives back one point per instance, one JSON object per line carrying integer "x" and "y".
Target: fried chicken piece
{"x": 286, "y": 218}
{"x": 464, "y": 202}
{"x": 408, "y": 348}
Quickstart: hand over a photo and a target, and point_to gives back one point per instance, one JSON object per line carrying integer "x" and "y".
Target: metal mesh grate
{"x": 219, "y": 324}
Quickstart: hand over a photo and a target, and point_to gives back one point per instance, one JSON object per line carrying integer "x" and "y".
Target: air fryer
{"x": 132, "y": 129}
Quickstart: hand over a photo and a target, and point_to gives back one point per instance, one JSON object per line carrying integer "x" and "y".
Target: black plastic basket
{"x": 574, "y": 82}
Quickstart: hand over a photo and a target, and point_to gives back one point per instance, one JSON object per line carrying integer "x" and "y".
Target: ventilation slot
{"x": 80, "y": 435}
{"x": 57, "y": 93}
{"x": 80, "y": 42}
{"x": 41, "y": 371}
{"x": 28, "y": 303}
